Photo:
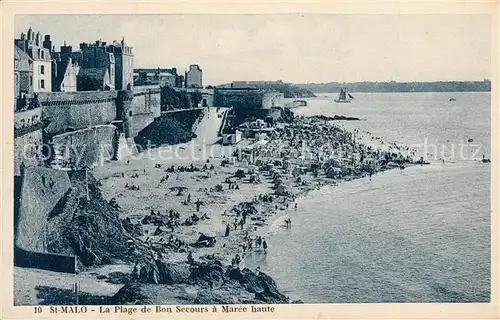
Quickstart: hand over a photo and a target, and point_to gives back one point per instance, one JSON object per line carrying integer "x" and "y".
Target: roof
{"x": 61, "y": 67}
{"x": 23, "y": 60}
{"x": 98, "y": 73}
{"x": 19, "y": 54}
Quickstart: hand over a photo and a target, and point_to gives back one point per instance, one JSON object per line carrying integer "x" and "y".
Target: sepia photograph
{"x": 251, "y": 160}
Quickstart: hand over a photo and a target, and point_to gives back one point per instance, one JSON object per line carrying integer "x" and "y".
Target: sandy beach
{"x": 172, "y": 195}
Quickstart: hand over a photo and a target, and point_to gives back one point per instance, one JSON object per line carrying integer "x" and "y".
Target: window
{"x": 42, "y": 84}
{"x": 42, "y": 69}
{"x": 31, "y": 81}
{"x": 43, "y": 54}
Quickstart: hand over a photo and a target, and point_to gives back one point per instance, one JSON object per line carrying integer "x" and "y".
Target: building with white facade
{"x": 31, "y": 44}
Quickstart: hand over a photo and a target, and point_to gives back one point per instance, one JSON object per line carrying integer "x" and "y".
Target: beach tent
{"x": 286, "y": 164}
{"x": 205, "y": 240}
{"x": 280, "y": 190}
{"x": 254, "y": 178}
{"x": 269, "y": 167}
{"x": 335, "y": 162}
{"x": 392, "y": 164}
{"x": 239, "y": 173}
{"x": 277, "y": 180}
{"x": 333, "y": 172}
{"x": 252, "y": 169}
{"x": 296, "y": 171}
{"x": 276, "y": 174}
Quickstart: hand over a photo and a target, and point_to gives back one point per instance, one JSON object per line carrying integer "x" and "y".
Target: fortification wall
{"x": 85, "y": 147}
{"x": 27, "y": 150}
{"x": 77, "y": 110}
{"x": 146, "y": 100}
{"x": 238, "y": 98}
{"x": 138, "y": 122}
{"x": 272, "y": 99}
{"x": 27, "y": 138}
{"x": 44, "y": 260}
{"x": 203, "y": 91}
{"x": 25, "y": 120}
{"x": 41, "y": 189}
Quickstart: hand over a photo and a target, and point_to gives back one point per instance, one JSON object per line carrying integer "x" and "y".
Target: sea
{"x": 416, "y": 235}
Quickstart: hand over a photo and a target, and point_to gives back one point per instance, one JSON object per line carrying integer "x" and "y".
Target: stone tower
{"x": 124, "y": 60}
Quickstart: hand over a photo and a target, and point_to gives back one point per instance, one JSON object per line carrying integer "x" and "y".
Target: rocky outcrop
{"x": 262, "y": 285}
{"x": 199, "y": 283}
{"x": 336, "y": 117}
{"x": 90, "y": 228}
{"x": 161, "y": 272}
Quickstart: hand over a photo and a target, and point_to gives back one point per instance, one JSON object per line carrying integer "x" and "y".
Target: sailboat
{"x": 344, "y": 97}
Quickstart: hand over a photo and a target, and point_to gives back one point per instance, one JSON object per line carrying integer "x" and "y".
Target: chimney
{"x": 47, "y": 44}
{"x": 65, "y": 49}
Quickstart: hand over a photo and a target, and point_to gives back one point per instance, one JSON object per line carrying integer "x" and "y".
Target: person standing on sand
{"x": 198, "y": 204}
{"x": 228, "y": 229}
{"x": 190, "y": 259}
{"x": 264, "y": 245}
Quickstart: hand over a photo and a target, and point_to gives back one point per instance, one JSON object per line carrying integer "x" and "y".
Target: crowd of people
{"x": 287, "y": 148}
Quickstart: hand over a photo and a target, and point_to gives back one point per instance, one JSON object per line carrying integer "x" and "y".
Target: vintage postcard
{"x": 250, "y": 161}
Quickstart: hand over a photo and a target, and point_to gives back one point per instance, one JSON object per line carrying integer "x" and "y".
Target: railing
{"x": 181, "y": 110}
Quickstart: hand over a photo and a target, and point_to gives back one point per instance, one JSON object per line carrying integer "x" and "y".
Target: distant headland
{"x": 392, "y": 86}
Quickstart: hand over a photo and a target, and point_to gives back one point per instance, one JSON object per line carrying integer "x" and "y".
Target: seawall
{"x": 41, "y": 189}
{"x": 85, "y": 147}
{"x": 248, "y": 98}
{"x": 77, "y": 110}
{"x": 27, "y": 138}
{"x": 36, "y": 193}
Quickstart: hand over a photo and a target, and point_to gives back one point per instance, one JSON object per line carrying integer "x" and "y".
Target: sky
{"x": 298, "y": 48}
